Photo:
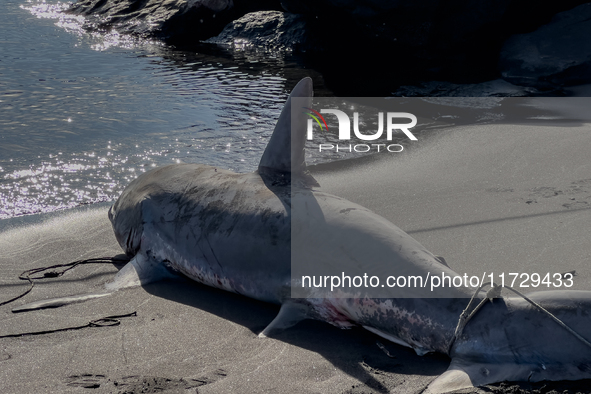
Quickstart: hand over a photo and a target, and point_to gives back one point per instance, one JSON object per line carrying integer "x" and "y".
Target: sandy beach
{"x": 494, "y": 198}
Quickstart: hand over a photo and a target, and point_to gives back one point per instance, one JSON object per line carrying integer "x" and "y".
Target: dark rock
{"x": 372, "y": 47}
{"x": 439, "y": 25}
{"x": 407, "y": 42}
{"x": 558, "y": 53}
{"x": 267, "y": 31}
{"x": 495, "y": 88}
{"x": 183, "y": 22}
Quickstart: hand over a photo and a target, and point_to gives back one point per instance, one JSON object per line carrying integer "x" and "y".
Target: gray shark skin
{"x": 234, "y": 232}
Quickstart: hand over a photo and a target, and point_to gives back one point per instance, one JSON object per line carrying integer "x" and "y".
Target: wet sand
{"x": 487, "y": 198}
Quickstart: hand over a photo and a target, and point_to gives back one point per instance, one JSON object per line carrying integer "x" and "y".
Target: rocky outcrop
{"x": 558, "y": 53}
{"x": 182, "y": 22}
{"x": 372, "y": 47}
{"x": 267, "y": 31}
{"x": 456, "y": 31}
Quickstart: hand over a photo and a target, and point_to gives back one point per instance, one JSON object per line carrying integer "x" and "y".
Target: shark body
{"x": 234, "y": 232}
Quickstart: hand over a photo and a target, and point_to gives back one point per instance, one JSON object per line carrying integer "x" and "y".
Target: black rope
{"x": 108, "y": 321}
{"x": 27, "y": 275}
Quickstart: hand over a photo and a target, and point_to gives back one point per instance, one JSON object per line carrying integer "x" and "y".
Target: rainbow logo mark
{"x": 316, "y": 118}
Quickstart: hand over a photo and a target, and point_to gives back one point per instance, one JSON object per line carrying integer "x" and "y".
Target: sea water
{"x": 83, "y": 113}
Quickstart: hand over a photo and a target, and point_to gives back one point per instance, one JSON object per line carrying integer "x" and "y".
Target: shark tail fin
{"x": 285, "y": 152}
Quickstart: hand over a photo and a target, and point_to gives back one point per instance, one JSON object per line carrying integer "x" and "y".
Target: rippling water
{"x": 81, "y": 114}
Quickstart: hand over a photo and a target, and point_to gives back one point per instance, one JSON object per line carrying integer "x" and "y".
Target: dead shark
{"x": 236, "y": 231}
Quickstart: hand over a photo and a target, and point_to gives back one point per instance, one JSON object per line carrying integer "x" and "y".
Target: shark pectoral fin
{"x": 140, "y": 270}
{"x": 455, "y": 378}
{"x": 57, "y": 302}
{"x": 289, "y": 315}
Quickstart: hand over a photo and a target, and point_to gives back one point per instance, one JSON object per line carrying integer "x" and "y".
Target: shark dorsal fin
{"x": 285, "y": 152}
